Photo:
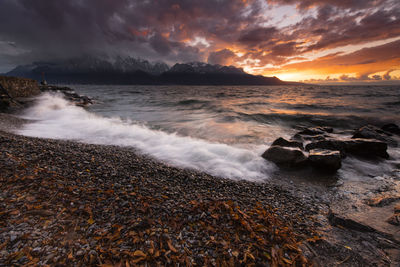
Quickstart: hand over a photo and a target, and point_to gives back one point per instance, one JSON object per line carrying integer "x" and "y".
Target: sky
{"x": 298, "y": 40}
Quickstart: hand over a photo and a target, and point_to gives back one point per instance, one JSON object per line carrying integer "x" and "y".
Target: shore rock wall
{"x": 12, "y": 88}
{"x": 19, "y": 87}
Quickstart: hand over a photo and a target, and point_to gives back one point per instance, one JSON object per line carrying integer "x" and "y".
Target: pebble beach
{"x": 66, "y": 203}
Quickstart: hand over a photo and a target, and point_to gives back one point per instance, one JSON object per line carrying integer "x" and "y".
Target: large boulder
{"x": 334, "y": 145}
{"x": 18, "y": 87}
{"x": 311, "y": 131}
{"x": 285, "y": 156}
{"x": 391, "y": 128}
{"x": 285, "y": 143}
{"x": 326, "y": 160}
{"x": 12, "y": 89}
{"x": 367, "y": 148}
{"x": 312, "y": 138}
{"x": 372, "y": 132}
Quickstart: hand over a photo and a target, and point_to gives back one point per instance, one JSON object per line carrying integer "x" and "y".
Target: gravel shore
{"x": 72, "y": 204}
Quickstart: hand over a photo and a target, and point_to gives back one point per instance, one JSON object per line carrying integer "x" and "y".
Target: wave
{"x": 188, "y": 102}
{"x": 292, "y": 119}
{"x": 54, "y": 117}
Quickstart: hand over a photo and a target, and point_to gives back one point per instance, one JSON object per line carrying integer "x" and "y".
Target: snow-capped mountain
{"x": 129, "y": 70}
{"x": 201, "y": 67}
{"x": 90, "y": 64}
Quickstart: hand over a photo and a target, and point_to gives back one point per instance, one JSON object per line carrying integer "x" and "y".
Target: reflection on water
{"x": 219, "y": 130}
{"x": 246, "y": 114}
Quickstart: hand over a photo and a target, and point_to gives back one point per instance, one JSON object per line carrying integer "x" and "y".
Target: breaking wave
{"x": 56, "y": 118}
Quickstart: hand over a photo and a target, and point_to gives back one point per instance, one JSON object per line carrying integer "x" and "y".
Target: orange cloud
{"x": 362, "y": 62}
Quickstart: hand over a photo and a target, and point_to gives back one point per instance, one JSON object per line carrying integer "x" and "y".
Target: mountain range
{"x": 129, "y": 70}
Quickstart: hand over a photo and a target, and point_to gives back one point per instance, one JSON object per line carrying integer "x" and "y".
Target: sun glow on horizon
{"x": 293, "y": 77}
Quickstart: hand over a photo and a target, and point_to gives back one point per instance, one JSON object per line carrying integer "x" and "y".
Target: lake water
{"x": 221, "y": 130}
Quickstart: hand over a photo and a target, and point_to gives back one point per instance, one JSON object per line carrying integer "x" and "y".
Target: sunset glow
{"x": 294, "y": 40}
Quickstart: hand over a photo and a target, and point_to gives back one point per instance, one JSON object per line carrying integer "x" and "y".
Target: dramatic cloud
{"x": 222, "y": 57}
{"x": 262, "y": 36}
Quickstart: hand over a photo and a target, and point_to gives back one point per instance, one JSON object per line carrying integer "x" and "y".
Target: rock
{"x": 311, "y": 131}
{"x": 325, "y": 129}
{"x": 285, "y": 156}
{"x": 397, "y": 208}
{"x": 4, "y": 103}
{"x": 367, "y": 148}
{"x": 391, "y": 128}
{"x": 394, "y": 219}
{"x": 372, "y": 132}
{"x": 18, "y": 87}
{"x": 285, "y": 143}
{"x": 381, "y": 201}
{"x": 312, "y": 138}
{"x": 338, "y": 220}
{"x": 80, "y": 253}
{"x": 327, "y": 160}
{"x": 368, "y": 132}
{"x": 334, "y": 145}
{"x": 69, "y": 94}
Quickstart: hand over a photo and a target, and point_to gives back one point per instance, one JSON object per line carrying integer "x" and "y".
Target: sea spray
{"x": 54, "y": 117}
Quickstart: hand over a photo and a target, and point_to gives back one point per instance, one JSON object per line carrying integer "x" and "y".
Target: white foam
{"x": 56, "y": 118}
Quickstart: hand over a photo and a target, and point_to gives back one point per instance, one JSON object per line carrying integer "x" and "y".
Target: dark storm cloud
{"x": 148, "y": 28}
{"x": 345, "y": 30}
{"x": 257, "y": 36}
{"x": 186, "y": 30}
{"x": 222, "y": 57}
{"x": 352, "y": 4}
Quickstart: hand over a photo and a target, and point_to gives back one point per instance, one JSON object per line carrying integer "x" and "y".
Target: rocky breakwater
{"x": 69, "y": 94}
{"x": 323, "y": 148}
{"x": 13, "y": 91}
{"x": 17, "y": 92}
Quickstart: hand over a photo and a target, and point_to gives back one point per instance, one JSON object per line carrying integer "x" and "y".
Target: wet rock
{"x": 325, "y": 129}
{"x": 326, "y": 160}
{"x": 285, "y": 156}
{"x": 334, "y": 145}
{"x": 312, "y": 138}
{"x": 285, "y": 143}
{"x": 381, "y": 201}
{"x": 367, "y": 148}
{"x": 372, "y": 132}
{"x": 311, "y": 131}
{"x": 368, "y": 132}
{"x": 69, "y": 94}
{"x": 339, "y": 220}
{"x": 394, "y": 219}
{"x": 397, "y": 208}
{"x": 391, "y": 128}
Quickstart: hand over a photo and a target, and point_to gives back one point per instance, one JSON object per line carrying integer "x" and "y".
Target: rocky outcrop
{"x": 285, "y": 156}
{"x": 367, "y": 148}
{"x": 285, "y": 143}
{"x": 18, "y": 87}
{"x": 372, "y": 132}
{"x": 69, "y": 94}
{"x": 13, "y": 89}
{"x": 316, "y": 130}
{"x": 334, "y": 145}
{"x": 326, "y": 150}
{"x": 391, "y": 128}
{"x": 326, "y": 160}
